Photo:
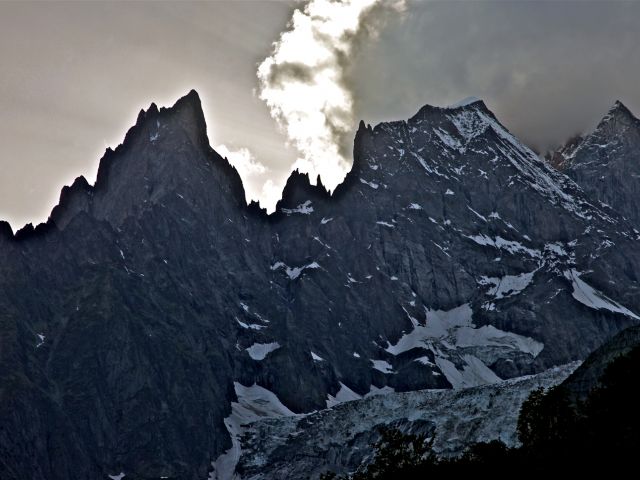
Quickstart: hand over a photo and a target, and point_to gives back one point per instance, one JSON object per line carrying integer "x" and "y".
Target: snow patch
{"x": 592, "y": 298}
{"x": 294, "y": 272}
{"x": 507, "y": 286}
{"x": 382, "y": 366}
{"x": 425, "y": 361}
{"x": 254, "y": 403}
{"x": 472, "y": 374}
{"x": 556, "y": 248}
{"x": 373, "y": 391}
{"x": 345, "y": 394}
{"x": 451, "y": 335}
{"x": 259, "y": 351}
{"x": 304, "y": 209}
{"x": 510, "y": 246}
{"x": 278, "y": 265}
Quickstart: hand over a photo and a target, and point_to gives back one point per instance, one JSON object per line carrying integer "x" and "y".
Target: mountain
{"x": 155, "y": 312}
{"x": 606, "y": 162}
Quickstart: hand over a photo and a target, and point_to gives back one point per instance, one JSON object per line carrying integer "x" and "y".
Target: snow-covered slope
{"x": 340, "y": 439}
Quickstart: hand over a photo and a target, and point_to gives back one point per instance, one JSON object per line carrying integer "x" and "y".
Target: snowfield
{"x": 283, "y": 445}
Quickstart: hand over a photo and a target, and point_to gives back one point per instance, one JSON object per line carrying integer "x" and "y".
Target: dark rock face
{"x": 450, "y": 256}
{"x": 587, "y": 377}
{"x": 606, "y": 163}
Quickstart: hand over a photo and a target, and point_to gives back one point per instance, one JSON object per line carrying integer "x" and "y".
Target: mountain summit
{"x": 606, "y": 162}
{"x": 156, "y": 314}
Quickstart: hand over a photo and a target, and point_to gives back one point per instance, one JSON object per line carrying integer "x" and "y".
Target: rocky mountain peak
{"x": 164, "y": 153}
{"x": 470, "y": 104}
{"x": 72, "y": 199}
{"x": 620, "y": 110}
{"x": 606, "y": 162}
{"x": 6, "y": 231}
{"x": 187, "y": 112}
{"x": 299, "y": 190}
{"x": 616, "y": 122}
{"x": 617, "y": 126}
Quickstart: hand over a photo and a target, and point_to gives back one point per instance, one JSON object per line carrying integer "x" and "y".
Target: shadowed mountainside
{"x": 451, "y": 256}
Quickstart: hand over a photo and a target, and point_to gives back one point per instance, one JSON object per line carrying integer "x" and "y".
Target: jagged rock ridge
{"x": 451, "y": 256}
{"x": 606, "y": 162}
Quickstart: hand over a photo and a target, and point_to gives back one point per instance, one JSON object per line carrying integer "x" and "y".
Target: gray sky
{"x": 74, "y": 75}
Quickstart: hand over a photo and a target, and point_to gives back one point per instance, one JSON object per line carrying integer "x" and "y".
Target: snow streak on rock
{"x": 303, "y": 209}
{"x": 592, "y": 298}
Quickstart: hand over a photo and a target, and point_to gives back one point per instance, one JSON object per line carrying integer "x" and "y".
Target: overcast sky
{"x": 74, "y": 75}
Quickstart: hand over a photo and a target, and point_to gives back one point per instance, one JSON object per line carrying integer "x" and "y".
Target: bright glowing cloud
{"x": 303, "y": 81}
{"x": 242, "y": 158}
{"x": 250, "y": 169}
{"x": 271, "y": 192}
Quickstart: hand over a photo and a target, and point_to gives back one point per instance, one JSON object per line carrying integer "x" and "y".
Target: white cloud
{"x": 303, "y": 81}
{"x": 304, "y": 86}
{"x": 244, "y": 161}
{"x": 270, "y": 192}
